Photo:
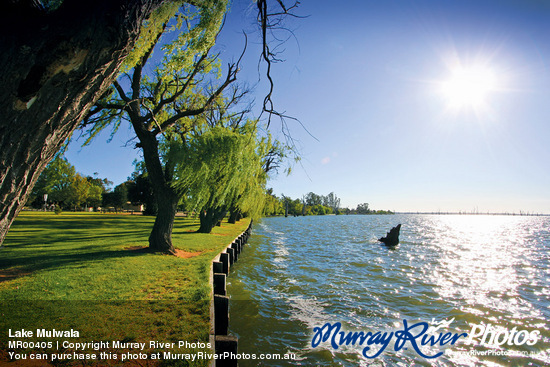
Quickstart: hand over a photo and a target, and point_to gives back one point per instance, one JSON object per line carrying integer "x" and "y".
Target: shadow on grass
{"x": 83, "y": 220}
{"x": 13, "y": 268}
{"x": 38, "y": 242}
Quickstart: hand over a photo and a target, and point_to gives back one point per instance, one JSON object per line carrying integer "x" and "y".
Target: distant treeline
{"x": 312, "y": 204}
{"x": 62, "y": 187}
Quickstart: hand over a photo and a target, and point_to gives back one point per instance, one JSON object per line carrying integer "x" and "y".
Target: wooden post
{"x": 224, "y": 258}
{"x": 236, "y": 250}
{"x": 221, "y": 314}
{"x": 217, "y": 267}
{"x": 227, "y": 349}
{"x": 231, "y": 255}
{"x": 219, "y": 284}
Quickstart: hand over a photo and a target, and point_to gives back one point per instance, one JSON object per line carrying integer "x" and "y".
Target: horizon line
{"x": 520, "y": 214}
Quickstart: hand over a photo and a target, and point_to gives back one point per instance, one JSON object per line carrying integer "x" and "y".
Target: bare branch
{"x": 270, "y": 21}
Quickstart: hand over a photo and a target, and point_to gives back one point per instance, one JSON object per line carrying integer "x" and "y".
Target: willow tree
{"x": 155, "y": 98}
{"x": 233, "y": 164}
{"x": 220, "y": 167}
{"x": 252, "y": 197}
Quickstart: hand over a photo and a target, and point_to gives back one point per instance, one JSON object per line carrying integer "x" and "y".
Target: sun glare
{"x": 469, "y": 86}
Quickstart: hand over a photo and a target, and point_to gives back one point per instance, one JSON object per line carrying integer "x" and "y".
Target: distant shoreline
{"x": 487, "y": 213}
{"x": 423, "y": 213}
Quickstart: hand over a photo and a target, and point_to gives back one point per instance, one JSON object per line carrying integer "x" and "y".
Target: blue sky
{"x": 367, "y": 79}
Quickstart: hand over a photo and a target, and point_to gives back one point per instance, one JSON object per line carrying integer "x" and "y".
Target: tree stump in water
{"x": 392, "y": 237}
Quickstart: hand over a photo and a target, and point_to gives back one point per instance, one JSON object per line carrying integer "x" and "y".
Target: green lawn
{"x": 85, "y": 271}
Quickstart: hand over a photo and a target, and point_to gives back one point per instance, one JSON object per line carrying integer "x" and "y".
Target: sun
{"x": 469, "y": 86}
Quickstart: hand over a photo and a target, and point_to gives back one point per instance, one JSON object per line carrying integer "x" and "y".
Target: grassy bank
{"x": 88, "y": 272}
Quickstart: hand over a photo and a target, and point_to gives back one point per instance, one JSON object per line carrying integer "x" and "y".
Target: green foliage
{"x": 117, "y": 198}
{"x": 141, "y": 192}
{"x": 67, "y": 188}
{"x": 320, "y": 210}
{"x": 151, "y": 30}
{"x": 363, "y": 208}
{"x": 311, "y": 204}
{"x": 160, "y": 94}
{"x": 216, "y": 164}
{"x": 313, "y": 199}
{"x": 294, "y": 206}
{"x": 55, "y": 181}
{"x": 120, "y": 195}
{"x": 180, "y": 78}
{"x": 221, "y": 168}
{"x": 195, "y": 28}
{"x": 95, "y": 195}
{"x": 78, "y": 191}
{"x": 314, "y": 205}
{"x": 272, "y": 205}
{"x": 333, "y": 202}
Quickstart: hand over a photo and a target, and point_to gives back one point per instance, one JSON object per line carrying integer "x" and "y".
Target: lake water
{"x": 470, "y": 270}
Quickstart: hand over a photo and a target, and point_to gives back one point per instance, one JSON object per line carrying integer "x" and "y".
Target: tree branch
{"x": 121, "y": 91}
{"x": 181, "y": 90}
{"x": 270, "y": 21}
{"x": 232, "y": 71}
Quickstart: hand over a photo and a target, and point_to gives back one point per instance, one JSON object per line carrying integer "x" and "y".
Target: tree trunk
{"x": 286, "y": 208}
{"x": 206, "y": 218}
{"x": 151, "y": 207}
{"x": 220, "y": 218}
{"x": 54, "y": 68}
{"x": 392, "y": 237}
{"x": 234, "y": 215}
{"x": 209, "y": 218}
{"x": 160, "y": 239}
{"x": 165, "y": 196}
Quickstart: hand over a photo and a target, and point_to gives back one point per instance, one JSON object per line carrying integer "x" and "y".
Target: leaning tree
{"x": 55, "y": 64}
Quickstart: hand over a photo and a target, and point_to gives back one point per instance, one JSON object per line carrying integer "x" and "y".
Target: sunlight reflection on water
{"x": 311, "y": 270}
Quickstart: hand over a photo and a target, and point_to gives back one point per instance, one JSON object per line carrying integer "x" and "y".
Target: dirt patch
{"x": 136, "y": 248}
{"x": 187, "y": 255}
{"x": 179, "y": 253}
{"x": 11, "y": 274}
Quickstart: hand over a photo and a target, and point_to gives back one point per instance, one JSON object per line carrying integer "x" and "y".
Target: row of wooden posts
{"x": 219, "y": 311}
